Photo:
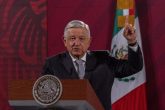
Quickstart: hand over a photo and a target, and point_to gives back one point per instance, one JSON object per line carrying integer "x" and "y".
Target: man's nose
{"x": 77, "y": 41}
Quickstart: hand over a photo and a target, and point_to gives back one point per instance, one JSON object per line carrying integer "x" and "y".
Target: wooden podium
{"x": 77, "y": 95}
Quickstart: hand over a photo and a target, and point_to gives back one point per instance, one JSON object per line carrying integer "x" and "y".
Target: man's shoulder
{"x": 58, "y": 56}
{"x": 99, "y": 52}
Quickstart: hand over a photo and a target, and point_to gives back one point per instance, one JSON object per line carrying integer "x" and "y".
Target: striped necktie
{"x": 80, "y": 68}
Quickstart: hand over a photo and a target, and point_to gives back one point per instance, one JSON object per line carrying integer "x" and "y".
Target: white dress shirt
{"x": 82, "y": 58}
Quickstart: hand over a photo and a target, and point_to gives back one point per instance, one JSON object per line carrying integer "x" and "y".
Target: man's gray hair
{"x": 76, "y": 24}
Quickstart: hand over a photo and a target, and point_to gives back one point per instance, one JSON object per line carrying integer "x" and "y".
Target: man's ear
{"x": 90, "y": 40}
{"x": 64, "y": 41}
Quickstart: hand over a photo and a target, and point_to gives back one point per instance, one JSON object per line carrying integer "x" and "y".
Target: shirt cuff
{"x": 134, "y": 48}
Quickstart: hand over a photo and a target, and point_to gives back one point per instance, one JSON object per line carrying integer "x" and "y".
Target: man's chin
{"x": 77, "y": 55}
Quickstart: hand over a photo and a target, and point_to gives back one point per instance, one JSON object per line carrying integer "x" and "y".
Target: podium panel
{"x": 77, "y": 95}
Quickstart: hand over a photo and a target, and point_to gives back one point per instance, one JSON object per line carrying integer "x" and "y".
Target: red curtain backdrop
{"x": 99, "y": 14}
{"x": 24, "y": 44}
{"x": 23, "y": 41}
{"x": 23, "y": 34}
{"x": 152, "y": 22}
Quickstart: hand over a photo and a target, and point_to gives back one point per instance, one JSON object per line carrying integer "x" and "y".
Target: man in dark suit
{"x": 98, "y": 66}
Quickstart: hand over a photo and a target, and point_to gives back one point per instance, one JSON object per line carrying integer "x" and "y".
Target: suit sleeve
{"x": 48, "y": 68}
{"x": 123, "y": 68}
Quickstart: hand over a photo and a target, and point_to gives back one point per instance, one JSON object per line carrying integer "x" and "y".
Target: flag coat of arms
{"x": 127, "y": 93}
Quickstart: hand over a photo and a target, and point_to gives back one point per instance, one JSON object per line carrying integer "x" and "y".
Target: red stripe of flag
{"x": 131, "y": 11}
{"x": 135, "y": 100}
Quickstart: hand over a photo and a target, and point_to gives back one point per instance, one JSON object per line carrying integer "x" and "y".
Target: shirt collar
{"x": 82, "y": 58}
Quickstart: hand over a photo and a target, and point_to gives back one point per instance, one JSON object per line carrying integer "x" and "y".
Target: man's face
{"x": 77, "y": 41}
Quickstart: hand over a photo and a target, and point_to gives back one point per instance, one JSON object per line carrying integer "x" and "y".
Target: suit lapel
{"x": 90, "y": 65}
{"x": 68, "y": 64}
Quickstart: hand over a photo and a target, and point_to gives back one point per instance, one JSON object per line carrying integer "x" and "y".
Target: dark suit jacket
{"x": 100, "y": 70}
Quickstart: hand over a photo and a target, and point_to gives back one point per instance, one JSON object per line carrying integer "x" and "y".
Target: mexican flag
{"x": 127, "y": 93}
